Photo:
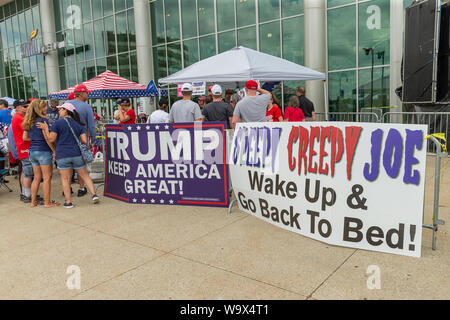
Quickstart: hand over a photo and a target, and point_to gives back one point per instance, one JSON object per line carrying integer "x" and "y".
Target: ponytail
{"x": 75, "y": 116}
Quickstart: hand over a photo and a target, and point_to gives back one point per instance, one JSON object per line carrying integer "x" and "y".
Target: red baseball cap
{"x": 251, "y": 85}
{"x": 81, "y": 88}
{"x": 210, "y": 87}
{"x": 71, "y": 96}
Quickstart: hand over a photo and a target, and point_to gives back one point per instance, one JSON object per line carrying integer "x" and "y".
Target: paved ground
{"x": 157, "y": 252}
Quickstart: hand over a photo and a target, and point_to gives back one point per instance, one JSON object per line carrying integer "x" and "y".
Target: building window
{"x": 374, "y": 31}
{"x": 342, "y": 38}
{"x": 268, "y": 10}
{"x": 353, "y": 26}
{"x": 207, "y": 46}
{"x": 342, "y": 91}
{"x": 247, "y": 38}
{"x": 246, "y": 12}
{"x": 225, "y": 15}
{"x": 227, "y": 41}
{"x": 269, "y": 38}
{"x": 206, "y": 21}
{"x": 293, "y": 40}
{"x": 172, "y": 20}
{"x": 291, "y": 7}
{"x": 189, "y": 20}
{"x": 190, "y": 51}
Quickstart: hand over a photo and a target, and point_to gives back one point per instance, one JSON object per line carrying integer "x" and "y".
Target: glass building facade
{"x": 20, "y": 77}
{"x": 104, "y": 39}
{"x": 101, "y": 35}
{"x": 187, "y": 31}
{"x": 351, "y": 27}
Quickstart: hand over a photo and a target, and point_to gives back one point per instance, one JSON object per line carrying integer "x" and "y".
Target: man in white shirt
{"x": 160, "y": 116}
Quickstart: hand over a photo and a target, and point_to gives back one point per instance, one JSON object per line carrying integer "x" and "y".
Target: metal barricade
{"x": 229, "y": 139}
{"x": 98, "y": 167}
{"x": 371, "y": 117}
{"x": 437, "y": 122}
{"x": 437, "y": 185}
{"x": 377, "y": 111}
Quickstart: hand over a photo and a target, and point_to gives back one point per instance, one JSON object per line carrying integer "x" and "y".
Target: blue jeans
{"x": 76, "y": 163}
{"x": 41, "y": 158}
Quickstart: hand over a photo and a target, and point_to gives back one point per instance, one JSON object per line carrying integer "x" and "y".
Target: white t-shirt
{"x": 159, "y": 116}
{"x": 115, "y": 114}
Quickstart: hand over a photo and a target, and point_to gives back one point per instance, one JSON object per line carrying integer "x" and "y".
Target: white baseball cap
{"x": 187, "y": 87}
{"x": 216, "y": 90}
{"x": 68, "y": 106}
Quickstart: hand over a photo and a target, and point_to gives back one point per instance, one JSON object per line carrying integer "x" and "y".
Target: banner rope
{"x": 440, "y": 136}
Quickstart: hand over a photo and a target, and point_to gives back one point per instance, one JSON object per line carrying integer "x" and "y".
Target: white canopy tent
{"x": 233, "y": 68}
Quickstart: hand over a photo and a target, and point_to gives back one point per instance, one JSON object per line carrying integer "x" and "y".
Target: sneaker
{"x": 68, "y": 205}
{"x": 95, "y": 199}
{"x": 26, "y": 199}
{"x": 82, "y": 192}
{"x": 22, "y": 197}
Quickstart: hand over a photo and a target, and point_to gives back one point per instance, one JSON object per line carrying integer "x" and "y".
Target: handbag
{"x": 85, "y": 152}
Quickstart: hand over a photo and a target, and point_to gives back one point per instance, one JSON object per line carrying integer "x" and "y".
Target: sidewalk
{"x": 160, "y": 252}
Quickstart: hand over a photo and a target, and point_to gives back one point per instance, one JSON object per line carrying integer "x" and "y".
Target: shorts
{"x": 27, "y": 168}
{"x": 75, "y": 163}
{"x": 41, "y": 158}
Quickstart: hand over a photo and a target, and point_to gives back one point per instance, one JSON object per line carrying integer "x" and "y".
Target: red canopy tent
{"x": 109, "y": 85}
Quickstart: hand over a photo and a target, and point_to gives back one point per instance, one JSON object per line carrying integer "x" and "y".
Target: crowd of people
{"x": 40, "y": 137}
{"x": 258, "y": 105}
{"x": 37, "y": 136}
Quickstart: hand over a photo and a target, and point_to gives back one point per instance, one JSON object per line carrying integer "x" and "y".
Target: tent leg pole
{"x": 325, "y": 92}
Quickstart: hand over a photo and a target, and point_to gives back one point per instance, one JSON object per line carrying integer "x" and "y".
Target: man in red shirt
{"x": 126, "y": 114}
{"x": 23, "y": 147}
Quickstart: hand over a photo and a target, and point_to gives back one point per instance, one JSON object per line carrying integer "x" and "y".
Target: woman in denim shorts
{"x": 40, "y": 153}
{"x": 68, "y": 154}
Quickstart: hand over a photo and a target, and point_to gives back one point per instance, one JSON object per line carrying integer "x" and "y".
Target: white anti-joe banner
{"x": 356, "y": 185}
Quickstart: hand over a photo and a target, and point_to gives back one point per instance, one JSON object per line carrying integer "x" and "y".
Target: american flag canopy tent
{"x": 109, "y": 85}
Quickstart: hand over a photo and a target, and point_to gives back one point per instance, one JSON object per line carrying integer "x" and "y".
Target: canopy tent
{"x": 233, "y": 68}
{"x": 109, "y": 85}
{"x": 9, "y": 100}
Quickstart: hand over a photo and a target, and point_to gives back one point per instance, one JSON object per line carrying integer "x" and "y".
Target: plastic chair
{"x": 3, "y": 174}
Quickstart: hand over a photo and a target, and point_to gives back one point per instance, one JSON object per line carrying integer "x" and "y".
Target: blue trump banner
{"x": 167, "y": 164}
